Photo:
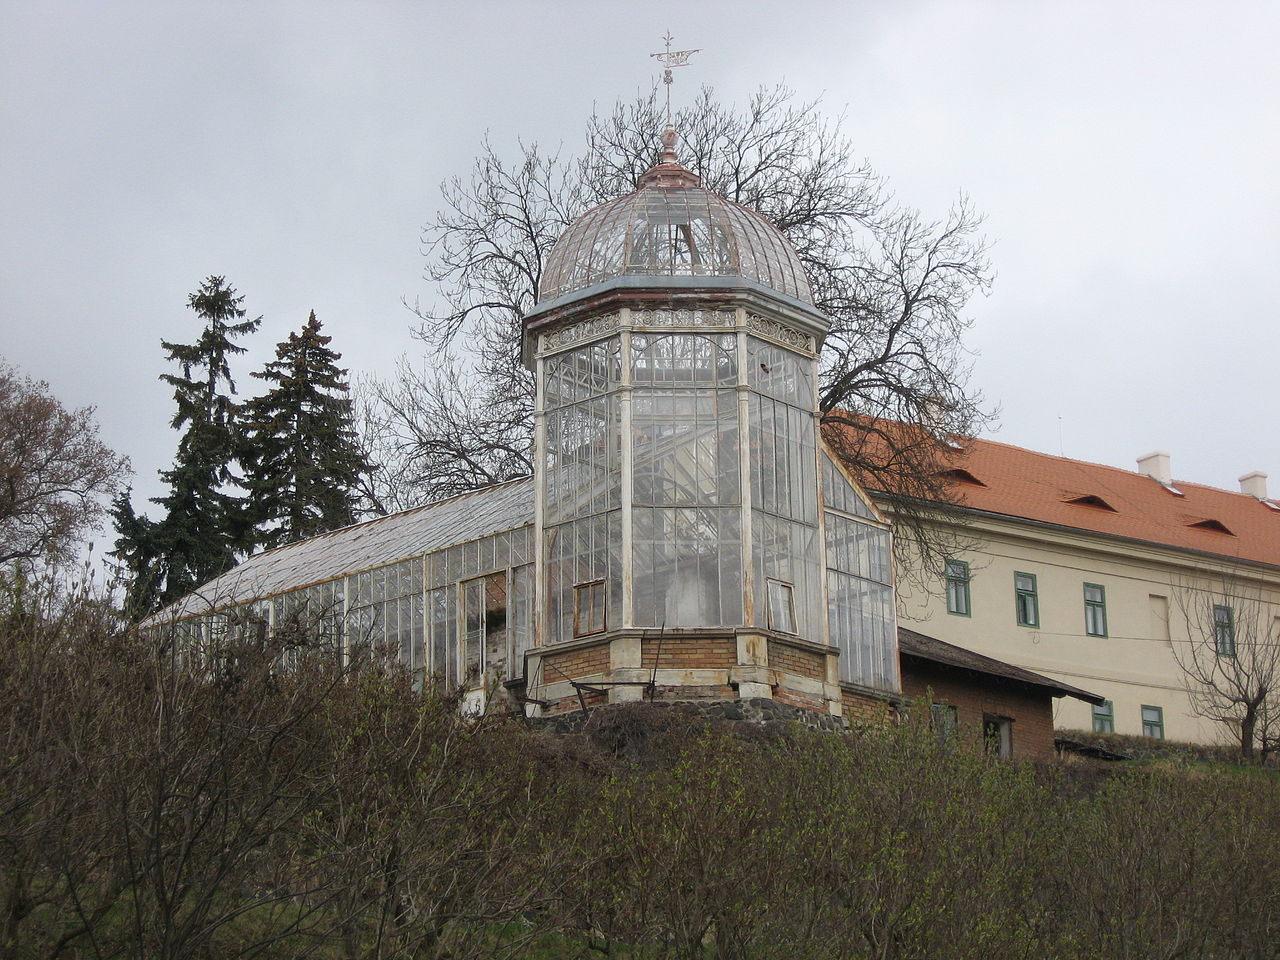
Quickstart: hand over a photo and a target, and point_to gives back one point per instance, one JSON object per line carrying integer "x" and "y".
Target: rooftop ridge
{"x": 1104, "y": 466}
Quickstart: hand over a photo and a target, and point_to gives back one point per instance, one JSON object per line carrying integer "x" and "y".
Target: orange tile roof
{"x": 1022, "y": 483}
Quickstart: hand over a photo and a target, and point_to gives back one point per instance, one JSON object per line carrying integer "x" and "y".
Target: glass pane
{"x": 580, "y": 374}
{"x": 473, "y": 624}
{"x": 438, "y": 607}
{"x": 783, "y": 459}
{"x": 781, "y": 607}
{"x": 788, "y": 551}
{"x": 858, "y": 548}
{"x": 584, "y": 468}
{"x": 588, "y": 610}
{"x": 685, "y": 447}
{"x": 683, "y": 359}
{"x": 578, "y": 552}
{"x": 839, "y": 494}
{"x": 862, "y": 624}
{"x": 495, "y": 620}
{"x": 779, "y": 373}
{"x": 688, "y": 567}
{"x": 521, "y": 618}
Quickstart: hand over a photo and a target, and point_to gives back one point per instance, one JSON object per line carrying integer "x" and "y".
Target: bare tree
{"x": 894, "y": 283}
{"x": 439, "y": 429}
{"x": 1231, "y": 659}
{"x": 55, "y": 474}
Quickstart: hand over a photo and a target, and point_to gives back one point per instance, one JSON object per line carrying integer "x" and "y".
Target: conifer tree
{"x": 306, "y": 465}
{"x": 138, "y": 557}
{"x": 204, "y": 526}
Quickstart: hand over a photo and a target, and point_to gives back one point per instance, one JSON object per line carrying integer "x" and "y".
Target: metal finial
{"x": 669, "y": 59}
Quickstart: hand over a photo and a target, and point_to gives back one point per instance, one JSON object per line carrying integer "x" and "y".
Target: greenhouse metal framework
{"x": 686, "y": 534}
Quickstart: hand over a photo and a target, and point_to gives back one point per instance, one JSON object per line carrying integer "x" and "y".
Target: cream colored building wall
{"x": 1134, "y": 665}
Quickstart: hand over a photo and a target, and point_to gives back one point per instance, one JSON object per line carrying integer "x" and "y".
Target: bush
{"x": 152, "y": 808}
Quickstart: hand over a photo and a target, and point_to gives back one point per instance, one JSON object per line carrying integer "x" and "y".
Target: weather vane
{"x": 671, "y": 58}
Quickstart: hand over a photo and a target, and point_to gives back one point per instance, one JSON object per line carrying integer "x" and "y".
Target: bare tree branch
{"x": 894, "y": 283}
{"x": 1230, "y": 661}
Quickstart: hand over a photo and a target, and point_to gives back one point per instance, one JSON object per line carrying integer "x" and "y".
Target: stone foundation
{"x": 757, "y": 710}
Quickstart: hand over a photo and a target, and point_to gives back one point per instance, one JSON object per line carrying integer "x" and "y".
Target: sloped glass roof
{"x": 373, "y": 543}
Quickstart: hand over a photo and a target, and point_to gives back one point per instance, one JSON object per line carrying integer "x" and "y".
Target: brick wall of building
{"x": 572, "y": 664}
{"x": 861, "y": 708}
{"x": 973, "y": 696}
{"x": 803, "y": 663}
{"x": 689, "y": 653}
{"x": 569, "y": 704}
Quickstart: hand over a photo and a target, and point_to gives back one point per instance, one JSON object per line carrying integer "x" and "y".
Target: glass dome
{"x": 671, "y": 227}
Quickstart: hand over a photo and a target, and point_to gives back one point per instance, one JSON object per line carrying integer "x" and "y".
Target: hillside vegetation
{"x": 225, "y": 807}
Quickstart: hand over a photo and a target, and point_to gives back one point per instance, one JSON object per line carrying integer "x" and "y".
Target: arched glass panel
{"x": 779, "y": 373}
{"x": 683, "y": 359}
{"x": 581, "y": 373}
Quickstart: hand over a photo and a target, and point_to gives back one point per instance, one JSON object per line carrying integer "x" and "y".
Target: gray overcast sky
{"x": 1124, "y": 153}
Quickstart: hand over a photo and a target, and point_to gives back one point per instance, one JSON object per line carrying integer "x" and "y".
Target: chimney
{"x": 1254, "y": 484}
{"x": 1156, "y": 466}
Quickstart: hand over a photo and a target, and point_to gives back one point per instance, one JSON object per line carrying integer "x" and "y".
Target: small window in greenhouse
{"x": 495, "y": 618}
{"x": 485, "y": 620}
{"x": 782, "y": 607}
{"x": 588, "y": 608}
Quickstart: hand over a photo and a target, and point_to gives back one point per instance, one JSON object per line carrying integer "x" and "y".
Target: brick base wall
{"x": 569, "y": 704}
{"x": 861, "y": 708}
{"x": 707, "y": 663}
{"x": 803, "y": 663}
{"x": 1032, "y": 712}
{"x": 572, "y": 664}
{"x": 689, "y": 653}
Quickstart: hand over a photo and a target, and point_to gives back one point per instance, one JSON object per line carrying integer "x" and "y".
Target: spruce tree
{"x": 305, "y": 461}
{"x": 204, "y": 526}
{"x": 137, "y": 551}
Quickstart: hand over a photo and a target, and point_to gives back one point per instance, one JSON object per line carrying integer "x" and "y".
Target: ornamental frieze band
{"x": 577, "y": 332}
{"x": 682, "y": 318}
{"x": 781, "y": 332}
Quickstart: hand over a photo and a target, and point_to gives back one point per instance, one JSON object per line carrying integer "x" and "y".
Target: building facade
{"x": 1108, "y": 579}
{"x": 1008, "y": 708}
